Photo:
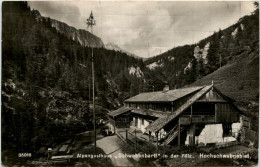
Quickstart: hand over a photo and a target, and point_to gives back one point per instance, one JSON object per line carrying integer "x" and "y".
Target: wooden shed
{"x": 119, "y": 118}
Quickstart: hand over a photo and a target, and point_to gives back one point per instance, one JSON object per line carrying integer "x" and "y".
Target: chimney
{"x": 166, "y": 88}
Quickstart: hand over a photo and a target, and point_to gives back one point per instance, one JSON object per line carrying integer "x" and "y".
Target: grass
{"x": 238, "y": 80}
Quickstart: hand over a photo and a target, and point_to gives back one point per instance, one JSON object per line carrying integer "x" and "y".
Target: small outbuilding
{"x": 119, "y": 118}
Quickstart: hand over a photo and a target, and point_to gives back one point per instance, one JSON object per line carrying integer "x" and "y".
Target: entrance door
{"x": 190, "y": 140}
{"x": 136, "y": 121}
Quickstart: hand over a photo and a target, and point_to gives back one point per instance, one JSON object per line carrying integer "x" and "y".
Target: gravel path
{"x": 110, "y": 144}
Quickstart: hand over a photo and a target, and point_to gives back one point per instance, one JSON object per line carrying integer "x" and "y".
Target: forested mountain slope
{"x": 46, "y": 80}
{"x": 185, "y": 64}
{"x": 81, "y": 36}
{"x": 240, "y": 81}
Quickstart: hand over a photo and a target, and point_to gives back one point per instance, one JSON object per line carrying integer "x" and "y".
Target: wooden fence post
{"x": 149, "y": 136}
{"x": 114, "y": 127}
{"x": 193, "y": 136}
{"x": 126, "y": 134}
{"x": 157, "y": 141}
{"x": 179, "y": 134}
{"x": 135, "y": 141}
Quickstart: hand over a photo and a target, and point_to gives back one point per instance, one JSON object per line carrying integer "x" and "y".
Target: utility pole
{"x": 91, "y": 22}
{"x": 220, "y": 60}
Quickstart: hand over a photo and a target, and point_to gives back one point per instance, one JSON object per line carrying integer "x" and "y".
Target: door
{"x": 136, "y": 121}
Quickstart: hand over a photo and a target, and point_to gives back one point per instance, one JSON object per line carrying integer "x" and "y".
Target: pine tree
{"x": 213, "y": 52}
{"x": 256, "y": 11}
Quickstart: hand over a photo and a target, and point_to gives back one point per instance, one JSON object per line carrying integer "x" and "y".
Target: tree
{"x": 239, "y": 36}
{"x": 213, "y": 52}
{"x": 192, "y": 72}
{"x": 256, "y": 11}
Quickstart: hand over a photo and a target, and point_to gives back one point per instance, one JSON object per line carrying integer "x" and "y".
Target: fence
{"x": 138, "y": 144}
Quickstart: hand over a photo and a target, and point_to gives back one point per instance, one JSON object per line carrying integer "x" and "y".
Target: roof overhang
{"x": 120, "y": 111}
{"x": 161, "y": 122}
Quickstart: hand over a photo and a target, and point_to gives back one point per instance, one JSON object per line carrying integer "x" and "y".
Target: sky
{"x": 148, "y": 28}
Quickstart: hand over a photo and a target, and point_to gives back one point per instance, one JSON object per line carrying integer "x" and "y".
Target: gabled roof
{"x": 161, "y": 122}
{"x": 224, "y": 96}
{"x": 119, "y": 111}
{"x": 163, "y": 96}
{"x": 151, "y": 113}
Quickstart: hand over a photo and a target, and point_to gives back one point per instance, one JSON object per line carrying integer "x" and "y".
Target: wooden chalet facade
{"x": 188, "y": 116}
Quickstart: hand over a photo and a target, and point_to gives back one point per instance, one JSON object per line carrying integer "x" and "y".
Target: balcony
{"x": 186, "y": 120}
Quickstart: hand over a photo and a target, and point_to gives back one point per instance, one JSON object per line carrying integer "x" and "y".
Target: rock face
{"x": 84, "y": 37}
{"x": 234, "y": 33}
{"x": 202, "y": 53}
{"x": 135, "y": 71}
{"x": 154, "y": 65}
{"x": 188, "y": 67}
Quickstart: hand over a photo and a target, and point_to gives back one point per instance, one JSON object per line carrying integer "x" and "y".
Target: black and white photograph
{"x": 129, "y": 83}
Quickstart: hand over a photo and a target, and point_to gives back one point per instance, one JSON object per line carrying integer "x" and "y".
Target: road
{"x": 110, "y": 144}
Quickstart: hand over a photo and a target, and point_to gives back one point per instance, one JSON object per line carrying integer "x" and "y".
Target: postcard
{"x": 130, "y": 83}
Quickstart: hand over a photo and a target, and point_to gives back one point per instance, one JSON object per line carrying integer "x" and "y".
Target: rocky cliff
{"x": 84, "y": 37}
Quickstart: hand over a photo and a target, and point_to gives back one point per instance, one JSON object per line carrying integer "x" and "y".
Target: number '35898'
{"x": 22, "y": 155}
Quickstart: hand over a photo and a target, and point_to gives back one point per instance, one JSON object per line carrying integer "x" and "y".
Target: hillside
{"x": 46, "y": 80}
{"x": 84, "y": 37}
{"x": 184, "y": 65}
{"x": 229, "y": 58}
{"x": 240, "y": 81}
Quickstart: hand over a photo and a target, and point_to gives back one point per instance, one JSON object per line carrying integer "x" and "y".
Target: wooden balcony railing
{"x": 186, "y": 120}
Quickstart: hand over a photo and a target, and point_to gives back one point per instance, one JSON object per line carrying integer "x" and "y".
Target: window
{"x": 227, "y": 129}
